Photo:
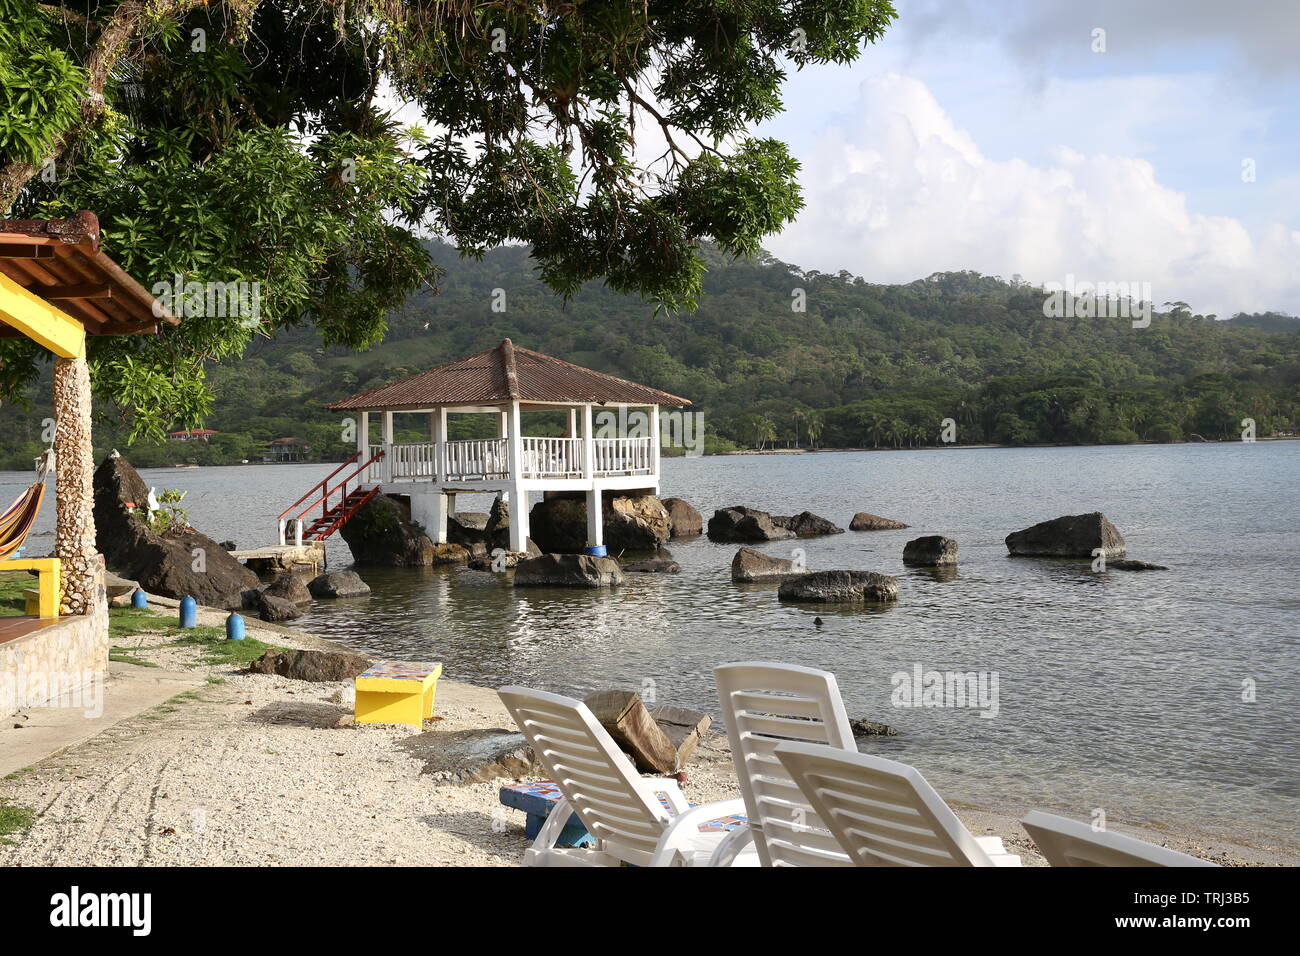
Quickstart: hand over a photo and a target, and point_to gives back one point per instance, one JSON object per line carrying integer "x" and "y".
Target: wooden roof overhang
{"x": 57, "y": 286}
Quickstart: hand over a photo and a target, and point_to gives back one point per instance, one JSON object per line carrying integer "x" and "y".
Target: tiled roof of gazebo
{"x": 503, "y": 374}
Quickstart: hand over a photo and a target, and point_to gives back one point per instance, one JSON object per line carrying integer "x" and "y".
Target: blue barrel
{"x": 234, "y": 628}
{"x": 139, "y": 600}
{"x": 189, "y": 612}
{"x": 597, "y": 551}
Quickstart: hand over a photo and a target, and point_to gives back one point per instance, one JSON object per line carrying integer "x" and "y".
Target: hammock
{"x": 19, "y": 517}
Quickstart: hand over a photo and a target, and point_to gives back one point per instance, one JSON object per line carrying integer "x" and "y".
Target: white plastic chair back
{"x": 763, "y": 705}
{"x": 883, "y": 813}
{"x": 1066, "y": 842}
{"x": 593, "y": 774}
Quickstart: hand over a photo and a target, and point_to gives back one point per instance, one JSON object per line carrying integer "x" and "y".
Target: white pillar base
{"x": 430, "y": 512}
{"x": 519, "y": 520}
{"x": 595, "y": 519}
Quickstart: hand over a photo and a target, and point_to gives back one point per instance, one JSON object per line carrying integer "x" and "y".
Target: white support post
{"x": 573, "y": 424}
{"x": 363, "y": 436}
{"x": 654, "y": 440}
{"x": 387, "y": 470}
{"x": 429, "y": 511}
{"x": 595, "y": 519}
{"x": 588, "y": 444}
{"x": 438, "y": 429}
{"x": 518, "y": 496}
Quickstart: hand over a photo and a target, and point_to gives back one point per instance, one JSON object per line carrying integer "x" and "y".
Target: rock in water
{"x": 931, "y": 551}
{"x": 751, "y": 565}
{"x": 686, "y": 521}
{"x": 864, "y": 521}
{"x": 338, "y": 584}
{"x": 841, "y": 587}
{"x": 382, "y": 533}
{"x": 630, "y": 523}
{"x": 162, "y": 564}
{"x": 741, "y": 525}
{"x": 807, "y": 525}
{"x": 568, "y": 570}
{"x": 871, "y": 728}
{"x": 1072, "y": 536}
{"x": 317, "y": 666}
{"x": 291, "y": 588}
{"x": 653, "y": 566}
{"x": 275, "y": 610}
{"x": 497, "y": 528}
{"x": 1127, "y": 564}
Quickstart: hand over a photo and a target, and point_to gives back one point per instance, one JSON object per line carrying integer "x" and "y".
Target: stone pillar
{"x": 74, "y": 542}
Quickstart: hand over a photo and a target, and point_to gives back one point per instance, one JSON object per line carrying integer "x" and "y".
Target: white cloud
{"x": 896, "y": 190}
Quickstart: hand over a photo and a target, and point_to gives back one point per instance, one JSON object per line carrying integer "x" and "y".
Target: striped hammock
{"x": 18, "y": 518}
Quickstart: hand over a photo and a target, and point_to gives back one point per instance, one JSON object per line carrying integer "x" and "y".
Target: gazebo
{"x": 504, "y": 382}
{"x": 56, "y": 287}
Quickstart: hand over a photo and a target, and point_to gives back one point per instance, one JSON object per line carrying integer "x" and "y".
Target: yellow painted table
{"x": 397, "y": 692}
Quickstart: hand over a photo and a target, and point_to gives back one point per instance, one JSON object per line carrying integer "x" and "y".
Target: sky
{"x": 1009, "y": 137}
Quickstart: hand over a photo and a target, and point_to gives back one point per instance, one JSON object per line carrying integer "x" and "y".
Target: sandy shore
{"x": 257, "y": 770}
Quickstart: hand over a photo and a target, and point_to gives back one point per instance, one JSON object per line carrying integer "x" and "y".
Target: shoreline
{"x": 260, "y": 770}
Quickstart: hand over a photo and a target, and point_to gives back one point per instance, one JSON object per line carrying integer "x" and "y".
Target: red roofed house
{"x": 503, "y": 382}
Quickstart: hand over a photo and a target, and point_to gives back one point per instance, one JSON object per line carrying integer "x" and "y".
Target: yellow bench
{"x": 42, "y": 600}
{"x": 397, "y": 692}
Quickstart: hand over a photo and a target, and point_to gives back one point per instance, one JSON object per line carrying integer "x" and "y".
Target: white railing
{"x": 413, "y": 462}
{"x": 489, "y": 458}
{"x": 377, "y": 471}
{"x": 624, "y": 456}
{"x": 552, "y": 457}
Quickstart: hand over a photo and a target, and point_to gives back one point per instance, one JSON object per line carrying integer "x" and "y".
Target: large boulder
{"x": 291, "y": 588}
{"x": 568, "y": 570}
{"x": 865, "y": 521}
{"x": 1071, "y": 536}
{"x": 653, "y": 566}
{"x": 631, "y": 523}
{"x": 316, "y": 666}
{"x": 179, "y": 563}
{"x": 382, "y": 533}
{"x": 338, "y": 584}
{"x": 496, "y": 530}
{"x": 685, "y": 521}
{"x": 841, "y": 587}
{"x": 751, "y": 565}
{"x": 741, "y": 525}
{"x": 807, "y": 525}
{"x": 276, "y": 610}
{"x": 468, "y": 529}
{"x": 930, "y": 551}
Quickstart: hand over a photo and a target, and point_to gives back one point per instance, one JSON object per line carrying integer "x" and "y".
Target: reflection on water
{"x": 1119, "y": 690}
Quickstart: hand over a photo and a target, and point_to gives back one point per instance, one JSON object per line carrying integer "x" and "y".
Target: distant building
{"x": 288, "y": 449}
{"x": 192, "y": 434}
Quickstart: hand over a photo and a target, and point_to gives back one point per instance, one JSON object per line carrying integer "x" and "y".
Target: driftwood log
{"x": 658, "y": 742}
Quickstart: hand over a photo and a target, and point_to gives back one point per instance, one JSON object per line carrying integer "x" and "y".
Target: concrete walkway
{"x": 32, "y": 734}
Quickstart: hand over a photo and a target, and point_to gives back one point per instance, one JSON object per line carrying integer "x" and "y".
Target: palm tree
{"x": 814, "y": 425}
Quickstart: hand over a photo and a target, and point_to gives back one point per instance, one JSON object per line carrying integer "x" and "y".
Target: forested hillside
{"x": 863, "y": 365}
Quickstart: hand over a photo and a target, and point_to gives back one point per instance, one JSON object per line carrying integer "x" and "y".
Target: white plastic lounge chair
{"x": 883, "y": 813}
{"x": 1066, "y": 842}
{"x": 620, "y": 809}
{"x": 764, "y": 704}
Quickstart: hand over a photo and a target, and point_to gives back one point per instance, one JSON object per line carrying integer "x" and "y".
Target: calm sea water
{"x": 1120, "y": 690}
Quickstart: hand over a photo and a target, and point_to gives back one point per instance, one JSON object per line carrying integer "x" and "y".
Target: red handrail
{"x": 321, "y": 484}
{"x": 324, "y": 499}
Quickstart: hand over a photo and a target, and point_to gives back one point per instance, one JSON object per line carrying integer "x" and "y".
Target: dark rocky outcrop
{"x": 930, "y": 551}
{"x": 807, "y": 525}
{"x": 316, "y": 666}
{"x": 841, "y": 587}
{"x": 502, "y": 560}
{"x": 567, "y": 570}
{"x": 631, "y": 523}
{"x": 161, "y": 564}
{"x": 274, "y": 609}
{"x": 462, "y": 757}
{"x": 741, "y": 525}
{"x": 1128, "y": 564}
{"x": 865, "y": 521}
{"x": 871, "y": 728}
{"x": 382, "y": 533}
{"x": 468, "y": 530}
{"x": 686, "y": 522}
{"x": 1071, "y": 536}
{"x": 751, "y": 565}
{"x": 290, "y": 587}
{"x": 338, "y": 584}
{"x": 496, "y": 530}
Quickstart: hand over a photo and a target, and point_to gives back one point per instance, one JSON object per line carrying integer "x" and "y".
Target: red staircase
{"x": 332, "y": 516}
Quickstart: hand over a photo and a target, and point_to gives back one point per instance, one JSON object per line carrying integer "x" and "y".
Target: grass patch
{"x": 129, "y": 622}
{"x": 121, "y": 656}
{"x": 12, "y": 585}
{"x": 14, "y": 819}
